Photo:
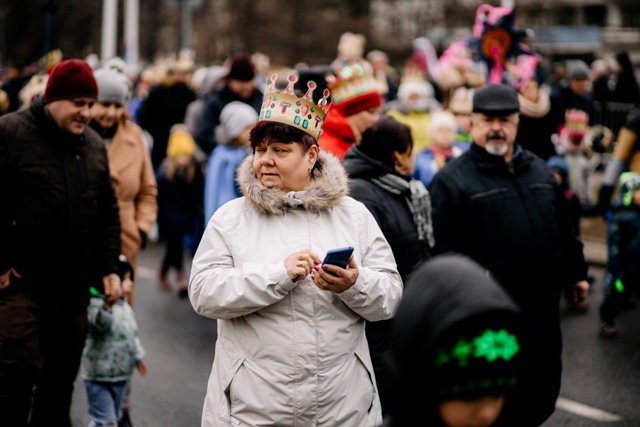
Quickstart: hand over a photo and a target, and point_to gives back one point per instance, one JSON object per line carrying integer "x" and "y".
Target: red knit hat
{"x": 72, "y": 78}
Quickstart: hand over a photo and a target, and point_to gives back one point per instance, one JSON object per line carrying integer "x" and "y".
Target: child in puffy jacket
{"x": 111, "y": 352}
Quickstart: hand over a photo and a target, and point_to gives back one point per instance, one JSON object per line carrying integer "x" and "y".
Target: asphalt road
{"x": 601, "y": 379}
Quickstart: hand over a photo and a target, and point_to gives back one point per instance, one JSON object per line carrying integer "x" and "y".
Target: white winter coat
{"x": 290, "y": 354}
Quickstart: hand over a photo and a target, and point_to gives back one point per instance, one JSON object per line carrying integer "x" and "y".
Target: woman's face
{"x": 284, "y": 166}
{"x": 404, "y": 161}
{"x": 106, "y": 114}
{"x": 443, "y": 137}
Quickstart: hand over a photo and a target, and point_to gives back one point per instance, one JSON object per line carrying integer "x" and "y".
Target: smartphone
{"x": 339, "y": 257}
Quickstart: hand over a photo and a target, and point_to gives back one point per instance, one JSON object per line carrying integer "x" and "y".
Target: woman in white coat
{"x": 291, "y": 347}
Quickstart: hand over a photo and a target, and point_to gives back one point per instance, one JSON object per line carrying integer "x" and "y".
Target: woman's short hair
{"x": 279, "y": 132}
{"x": 385, "y": 136}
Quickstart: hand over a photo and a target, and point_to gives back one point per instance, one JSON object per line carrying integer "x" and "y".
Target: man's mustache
{"x": 497, "y": 136}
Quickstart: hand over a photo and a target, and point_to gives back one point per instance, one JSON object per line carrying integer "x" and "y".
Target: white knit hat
{"x": 234, "y": 118}
{"x": 441, "y": 119}
{"x": 113, "y": 86}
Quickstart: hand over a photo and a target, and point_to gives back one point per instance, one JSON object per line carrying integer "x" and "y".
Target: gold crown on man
{"x": 300, "y": 112}
{"x": 353, "y": 81}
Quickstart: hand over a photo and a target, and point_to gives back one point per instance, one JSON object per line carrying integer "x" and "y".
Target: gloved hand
{"x": 604, "y": 198}
{"x": 124, "y": 267}
{"x": 143, "y": 239}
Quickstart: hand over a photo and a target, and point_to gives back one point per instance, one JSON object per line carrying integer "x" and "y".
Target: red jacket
{"x": 337, "y": 135}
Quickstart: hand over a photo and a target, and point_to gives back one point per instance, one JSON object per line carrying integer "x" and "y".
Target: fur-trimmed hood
{"x": 329, "y": 183}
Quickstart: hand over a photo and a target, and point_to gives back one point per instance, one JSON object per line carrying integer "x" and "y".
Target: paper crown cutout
{"x": 353, "y": 81}
{"x": 300, "y": 112}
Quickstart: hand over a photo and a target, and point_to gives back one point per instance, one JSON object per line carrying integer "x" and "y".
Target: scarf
{"x": 418, "y": 200}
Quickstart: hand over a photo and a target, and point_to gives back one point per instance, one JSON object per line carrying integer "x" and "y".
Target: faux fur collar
{"x": 325, "y": 190}
{"x": 535, "y": 109}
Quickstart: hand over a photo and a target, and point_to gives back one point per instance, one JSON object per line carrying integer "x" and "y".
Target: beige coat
{"x": 136, "y": 189}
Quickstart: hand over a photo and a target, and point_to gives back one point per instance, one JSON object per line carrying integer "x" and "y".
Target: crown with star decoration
{"x": 285, "y": 106}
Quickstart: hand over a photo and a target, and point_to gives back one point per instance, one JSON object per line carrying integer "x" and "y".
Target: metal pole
{"x": 185, "y": 39}
{"x": 109, "y": 26}
{"x": 48, "y": 18}
{"x": 132, "y": 29}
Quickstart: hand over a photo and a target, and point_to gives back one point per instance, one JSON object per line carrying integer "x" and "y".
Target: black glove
{"x": 124, "y": 267}
{"x": 604, "y": 198}
{"x": 143, "y": 239}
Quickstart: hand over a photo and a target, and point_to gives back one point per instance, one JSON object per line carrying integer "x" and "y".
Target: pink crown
{"x": 300, "y": 112}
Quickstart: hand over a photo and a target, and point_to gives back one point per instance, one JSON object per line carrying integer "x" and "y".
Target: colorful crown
{"x": 300, "y": 112}
{"x": 353, "y": 81}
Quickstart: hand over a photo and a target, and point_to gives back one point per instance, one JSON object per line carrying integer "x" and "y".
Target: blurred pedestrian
{"x": 535, "y": 128}
{"x": 220, "y": 183}
{"x": 622, "y": 277}
{"x": 356, "y": 103}
{"x": 291, "y": 339}
{"x": 209, "y": 81}
{"x": 180, "y": 189}
{"x": 416, "y": 100}
{"x": 626, "y": 156}
{"x": 623, "y": 85}
{"x": 429, "y": 161}
{"x": 460, "y": 106}
{"x": 600, "y": 73}
{"x": 379, "y": 170}
{"x": 239, "y": 85}
{"x": 576, "y": 95}
{"x": 456, "y": 348}
{"x": 166, "y": 106}
{"x": 501, "y": 206}
{"x": 60, "y": 235}
{"x": 129, "y": 164}
{"x": 386, "y": 75}
{"x": 572, "y": 141}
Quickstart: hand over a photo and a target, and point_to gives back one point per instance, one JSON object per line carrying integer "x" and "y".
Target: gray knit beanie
{"x": 235, "y": 118}
{"x": 112, "y": 86}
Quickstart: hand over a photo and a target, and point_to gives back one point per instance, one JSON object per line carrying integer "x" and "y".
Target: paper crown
{"x": 353, "y": 81}
{"x": 300, "y": 112}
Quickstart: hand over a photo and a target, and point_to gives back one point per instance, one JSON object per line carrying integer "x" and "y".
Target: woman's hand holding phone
{"x": 338, "y": 271}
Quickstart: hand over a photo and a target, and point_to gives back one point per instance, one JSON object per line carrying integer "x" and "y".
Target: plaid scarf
{"x": 418, "y": 200}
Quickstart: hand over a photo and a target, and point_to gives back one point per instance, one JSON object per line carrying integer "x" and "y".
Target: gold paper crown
{"x": 300, "y": 112}
{"x": 353, "y": 80}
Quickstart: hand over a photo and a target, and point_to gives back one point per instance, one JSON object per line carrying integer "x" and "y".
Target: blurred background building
{"x": 289, "y": 32}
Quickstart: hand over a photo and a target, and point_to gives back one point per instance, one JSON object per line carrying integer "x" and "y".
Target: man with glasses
{"x": 500, "y": 205}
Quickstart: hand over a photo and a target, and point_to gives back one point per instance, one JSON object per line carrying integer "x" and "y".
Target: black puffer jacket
{"x": 59, "y": 218}
{"x": 516, "y": 225}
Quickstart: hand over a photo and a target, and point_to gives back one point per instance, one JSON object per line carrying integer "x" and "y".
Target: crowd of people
{"x": 460, "y": 182}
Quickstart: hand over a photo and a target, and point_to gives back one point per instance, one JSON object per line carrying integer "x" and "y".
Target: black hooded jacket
{"x": 446, "y": 295}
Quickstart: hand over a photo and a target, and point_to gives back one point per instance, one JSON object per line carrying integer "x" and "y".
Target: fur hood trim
{"x": 325, "y": 190}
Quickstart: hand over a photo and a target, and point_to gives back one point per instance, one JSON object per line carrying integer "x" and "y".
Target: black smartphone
{"x": 339, "y": 257}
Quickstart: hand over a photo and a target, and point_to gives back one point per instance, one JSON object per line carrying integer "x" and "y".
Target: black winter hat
{"x": 241, "y": 68}
{"x": 496, "y": 100}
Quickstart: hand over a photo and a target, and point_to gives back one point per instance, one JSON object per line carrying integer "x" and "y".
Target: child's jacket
{"x": 113, "y": 347}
